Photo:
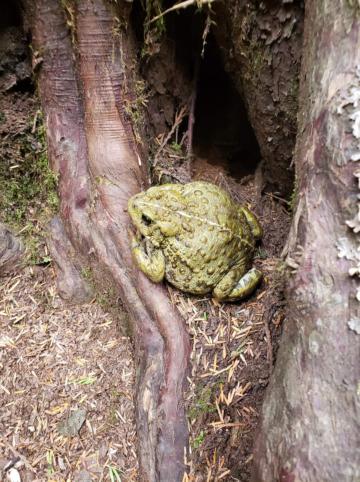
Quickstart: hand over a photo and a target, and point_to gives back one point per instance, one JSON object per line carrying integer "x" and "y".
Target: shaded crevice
{"x": 222, "y": 132}
{"x": 15, "y": 70}
{"x": 10, "y": 15}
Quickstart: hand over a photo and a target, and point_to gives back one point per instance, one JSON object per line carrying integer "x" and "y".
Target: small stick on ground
{"x": 268, "y": 315}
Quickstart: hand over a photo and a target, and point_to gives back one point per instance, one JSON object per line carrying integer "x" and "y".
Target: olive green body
{"x": 196, "y": 237}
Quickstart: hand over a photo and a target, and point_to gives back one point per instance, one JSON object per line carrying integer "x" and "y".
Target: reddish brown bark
{"x": 70, "y": 285}
{"x": 92, "y": 147}
{"x": 310, "y": 419}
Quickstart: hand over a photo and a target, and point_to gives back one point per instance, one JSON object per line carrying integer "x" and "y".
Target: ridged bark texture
{"x": 310, "y": 428}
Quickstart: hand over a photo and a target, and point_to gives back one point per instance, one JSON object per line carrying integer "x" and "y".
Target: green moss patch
{"x": 28, "y": 197}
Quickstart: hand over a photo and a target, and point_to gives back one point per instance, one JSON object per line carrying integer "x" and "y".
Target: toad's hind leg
{"x": 237, "y": 284}
{"x": 253, "y": 222}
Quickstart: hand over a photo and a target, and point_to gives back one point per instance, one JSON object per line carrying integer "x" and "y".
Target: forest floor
{"x": 66, "y": 385}
{"x": 67, "y": 372}
{"x": 57, "y": 360}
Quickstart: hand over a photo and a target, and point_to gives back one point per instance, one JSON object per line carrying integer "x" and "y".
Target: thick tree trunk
{"x": 92, "y": 148}
{"x": 310, "y": 422}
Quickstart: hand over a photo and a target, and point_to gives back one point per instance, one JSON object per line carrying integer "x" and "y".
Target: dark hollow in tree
{"x": 222, "y": 132}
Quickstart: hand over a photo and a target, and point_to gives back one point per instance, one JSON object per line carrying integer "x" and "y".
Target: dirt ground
{"x": 54, "y": 361}
{"x": 67, "y": 372}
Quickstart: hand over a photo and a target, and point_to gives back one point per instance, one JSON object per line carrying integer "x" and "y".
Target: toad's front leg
{"x": 238, "y": 283}
{"x": 150, "y": 260}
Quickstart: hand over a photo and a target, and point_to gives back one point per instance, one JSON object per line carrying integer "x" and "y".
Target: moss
{"x": 260, "y": 253}
{"x": 153, "y": 31}
{"x": 69, "y": 9}
{"x": 177, "y": 148}
{"x": 134, "y": 108}
{"x": 107, "y": 297}
{"x": 355, "y": 6}
{"x": 201, "y": 406}
{"x": 86, "y": 273}
{"x": 198, "y": 440}
{"x": 28, "y": 197}
{"x": 105, "y": 293}
{"x": 202, "y": 403}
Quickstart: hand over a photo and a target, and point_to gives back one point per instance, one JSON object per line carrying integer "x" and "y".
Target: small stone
{"x": 73, "y": 423}
{"x": 82, "y": 476}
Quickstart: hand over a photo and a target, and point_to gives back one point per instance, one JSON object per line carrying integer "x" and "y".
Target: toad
{"x": 197, "y": 238}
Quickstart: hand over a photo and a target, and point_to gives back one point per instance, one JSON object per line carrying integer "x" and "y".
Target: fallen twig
{"x": 178, "y": 119}
{"x": 268, "y": 315}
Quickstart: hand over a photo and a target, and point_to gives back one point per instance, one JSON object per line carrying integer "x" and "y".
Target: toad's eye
{"x": 146, "y": 220}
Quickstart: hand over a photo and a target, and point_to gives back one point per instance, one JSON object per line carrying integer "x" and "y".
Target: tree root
{"x": 71, "y": 286}
{"x": 91, "y": 146}
{"x": 11, "y": 250}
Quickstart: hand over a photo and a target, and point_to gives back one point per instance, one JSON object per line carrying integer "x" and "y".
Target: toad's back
{"x": 214, "y": 235}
